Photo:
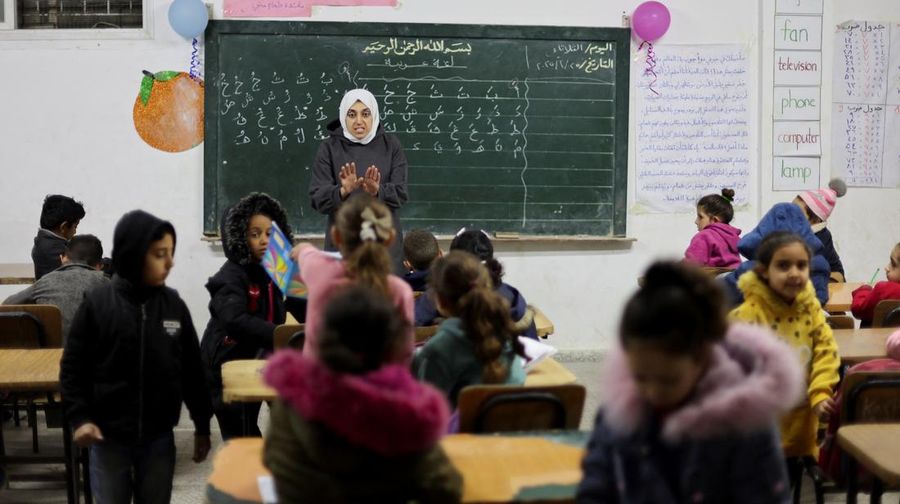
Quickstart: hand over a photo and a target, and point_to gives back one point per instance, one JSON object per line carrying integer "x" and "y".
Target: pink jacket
{"x": 716, "y": 245}
{"x": 751, "y": 379}
{"x": 324, "y": 275}
{"x": 387, "y": 410}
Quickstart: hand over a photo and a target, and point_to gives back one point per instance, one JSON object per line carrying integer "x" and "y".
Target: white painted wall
{"x": 65, "y": 125}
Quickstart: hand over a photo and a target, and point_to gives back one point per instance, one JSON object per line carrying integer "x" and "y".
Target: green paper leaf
{"x": 146, "y": 88}
{"x": 165, "y": 75}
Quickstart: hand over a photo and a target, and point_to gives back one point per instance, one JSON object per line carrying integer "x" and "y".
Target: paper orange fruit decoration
{"x": 168, "y": 112}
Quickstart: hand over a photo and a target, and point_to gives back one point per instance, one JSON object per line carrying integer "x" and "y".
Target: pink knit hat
{"x": 821, "y": 201}
{"x": 892, "y": 347}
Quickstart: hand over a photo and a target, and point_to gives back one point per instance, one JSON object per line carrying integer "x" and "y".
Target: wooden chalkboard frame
{"x": 217, "y": 29}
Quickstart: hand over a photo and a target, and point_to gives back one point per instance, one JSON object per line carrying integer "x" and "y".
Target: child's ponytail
{"x": 464, "y": 289}
{"x": 365, "y": 225}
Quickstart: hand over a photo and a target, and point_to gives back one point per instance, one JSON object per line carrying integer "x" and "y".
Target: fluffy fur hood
{"x": 237, "y": 217}
{"x": 386, "y": 411}
{"x": 751, "y": 379}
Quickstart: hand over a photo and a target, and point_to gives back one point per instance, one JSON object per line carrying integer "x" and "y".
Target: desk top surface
{"x": 859, "y": 345}
{"x": 494, "y": 468}
{"x": 876, "y": 447}
{"x": 242, "y": 379}
{"x": 840, "y": 295}
{"x": 16, "y": 273}
{"x": 542, "y": 324}
{"x": 30, "y": 370}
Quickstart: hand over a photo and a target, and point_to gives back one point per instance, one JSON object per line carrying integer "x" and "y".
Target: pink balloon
{"x": 650, "y": 20}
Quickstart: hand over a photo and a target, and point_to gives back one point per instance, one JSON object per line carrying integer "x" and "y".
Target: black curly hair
{"x": 237, "y": 217}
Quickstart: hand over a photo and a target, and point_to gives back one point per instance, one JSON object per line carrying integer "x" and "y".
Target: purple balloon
{"x": 650, "y": 20}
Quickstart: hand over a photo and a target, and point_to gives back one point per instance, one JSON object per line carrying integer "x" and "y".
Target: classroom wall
{"x": 65, "y": 121}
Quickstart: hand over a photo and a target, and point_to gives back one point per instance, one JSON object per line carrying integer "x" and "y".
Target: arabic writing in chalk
{"x": 403, "y": 47}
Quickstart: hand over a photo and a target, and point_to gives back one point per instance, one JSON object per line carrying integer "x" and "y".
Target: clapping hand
{"x": 371, "y": 183}
{"x": 349, "y": 181}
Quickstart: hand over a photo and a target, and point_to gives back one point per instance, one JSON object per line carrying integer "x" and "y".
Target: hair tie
{"x": 367, "y": 232}
{"x": 728, "y": 199}
{"x": 375, "y": 228}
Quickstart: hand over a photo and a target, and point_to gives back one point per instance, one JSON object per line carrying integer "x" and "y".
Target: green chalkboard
{"x": 507, "y": 128}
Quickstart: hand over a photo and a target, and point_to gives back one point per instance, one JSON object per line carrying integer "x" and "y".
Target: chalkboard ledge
{"x": 531, "y": 243}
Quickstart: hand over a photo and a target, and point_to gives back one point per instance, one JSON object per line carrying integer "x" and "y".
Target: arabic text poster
{"x": 694, "y": 137}
{"x": 866, "y": 103}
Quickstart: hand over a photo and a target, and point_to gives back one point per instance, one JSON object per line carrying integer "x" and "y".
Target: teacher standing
{"x": 359, "y": 156}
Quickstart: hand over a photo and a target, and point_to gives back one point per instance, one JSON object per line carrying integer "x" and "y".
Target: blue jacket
{"x": 427, "y": 313}
{"x": 781, "y": 217}
{"x": 721, "y": 445}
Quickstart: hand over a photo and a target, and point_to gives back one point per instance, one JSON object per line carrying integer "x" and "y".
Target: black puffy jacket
{"x": 245, "y": 305}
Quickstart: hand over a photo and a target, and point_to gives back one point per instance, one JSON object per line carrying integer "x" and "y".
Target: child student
{"x": 866, "y": 297}
{"x": 65, "y": 287}
{"x": 478, "y": 243}
{"x": 779, "y": 295}
{"x": 716, "y": 241}
{"x": 245, "y": 306}
{"x": 363, "y": 232}
{"x": 781, "y": 217}
{"x": 420, "y": 249}
{"x": 60, "y": 216}
{"x": 131, "y": 358}
{"x": 477, "y": 343}
{"x": 354, "y": 425}
{"x": 818, "y": 205}
{"x": 690, "y": 407}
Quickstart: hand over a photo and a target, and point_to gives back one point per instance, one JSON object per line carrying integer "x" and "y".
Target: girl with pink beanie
{"x": 818, "y": 206}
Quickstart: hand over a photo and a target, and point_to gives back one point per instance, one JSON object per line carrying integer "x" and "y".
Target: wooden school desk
{"x": 859, "y": 345}
{"x": 840, "y": 296}
{"x": 877, "y": 448}
{"x": 242, "y": 379}
{"x": 543, "y": 324}
{"x": 37, "y": 370}
{"x": 509, "y": 468}
{"x": 16, "y": 273}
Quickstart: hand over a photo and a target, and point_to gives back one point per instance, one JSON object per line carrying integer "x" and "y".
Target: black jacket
{"x": 48, "y": 246}
{"x": 829, "y": 251}
{"x": 242, "y": 295}
{"x": 132, "y": 354}
{"x": 385, "y": 152}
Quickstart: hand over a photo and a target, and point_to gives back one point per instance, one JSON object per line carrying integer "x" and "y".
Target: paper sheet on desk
{"x": 267, "y": 489}
{"x": 535, "y": 352}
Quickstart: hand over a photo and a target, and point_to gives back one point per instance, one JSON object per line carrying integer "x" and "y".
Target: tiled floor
{"x": 190, "y": 478}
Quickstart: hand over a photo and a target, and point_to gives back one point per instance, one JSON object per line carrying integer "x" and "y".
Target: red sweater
{"x": 865, "y": 298}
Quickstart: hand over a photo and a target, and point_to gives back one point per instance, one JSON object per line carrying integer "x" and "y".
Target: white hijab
{"x": 367, "y": 99}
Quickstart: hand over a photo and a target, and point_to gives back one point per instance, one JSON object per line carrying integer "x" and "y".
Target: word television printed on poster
{"x": 694, "y": 131}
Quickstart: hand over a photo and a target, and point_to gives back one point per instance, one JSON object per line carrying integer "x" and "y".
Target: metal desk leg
{"x": 86, "y": 475}
{"x": 877, "y": 490}
{"x": 852, "y": 486}
{"x": 72, "y": 493}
